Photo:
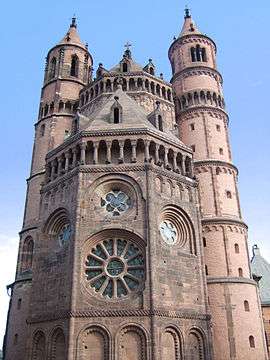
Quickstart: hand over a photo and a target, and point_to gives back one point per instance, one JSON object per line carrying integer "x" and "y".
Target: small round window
{"x": 168, "y": 232}
{"x": 115, "y": 268}
{"x": 116, "y": 202}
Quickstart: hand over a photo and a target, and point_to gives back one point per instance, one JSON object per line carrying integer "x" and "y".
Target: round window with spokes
{"x": 115, "y": 268}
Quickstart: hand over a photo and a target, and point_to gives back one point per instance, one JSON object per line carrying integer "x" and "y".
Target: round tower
{"x": 68, "y": 69}
{"x": 203, "y": 125}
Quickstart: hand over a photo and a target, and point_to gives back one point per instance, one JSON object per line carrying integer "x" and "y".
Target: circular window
{"x": 115, "y": 202}
{"x": 115, "y": 268}
{"x": 64, "y": 235}
{"x": 168, "y": 232}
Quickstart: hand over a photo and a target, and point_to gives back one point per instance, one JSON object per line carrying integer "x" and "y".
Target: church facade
{"x": 133, "y": 245}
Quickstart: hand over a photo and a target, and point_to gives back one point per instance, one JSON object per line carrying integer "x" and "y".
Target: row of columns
{"x": 139, "y": 84}
{"x": 62, "y": 165}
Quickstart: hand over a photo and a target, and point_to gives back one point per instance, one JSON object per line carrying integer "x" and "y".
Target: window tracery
{"x": 115, "y": 268}
{"x": 116, "y": 202}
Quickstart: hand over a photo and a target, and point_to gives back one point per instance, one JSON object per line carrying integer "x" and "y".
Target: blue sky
{"x": 240, "y": 29}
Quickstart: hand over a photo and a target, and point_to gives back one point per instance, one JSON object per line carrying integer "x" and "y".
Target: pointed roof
{"x": 189, "y": 26}
{"x": 260, "y": 267}
{"x": 133, "y": 115}
{"x": 72, "y": 35}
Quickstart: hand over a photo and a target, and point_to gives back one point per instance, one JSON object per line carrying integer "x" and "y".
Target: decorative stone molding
{"x": 185, "y": 314}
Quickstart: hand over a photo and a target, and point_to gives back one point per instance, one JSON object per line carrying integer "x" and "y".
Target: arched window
{"x": 160, "y": 125}
{"x": 61, "y": 106}
{"x": 74, "y": 66}
{"x": 198, "y": 53}
{"x": 204, "y": 241}
{"x": 229, "y": 194}
{"x": 46, "y": 110}
{"x": 42, "y": 130}
{"x": 151, "y": 70}
{"x": 52, "y": 70}
{"x": 240, "y": 272}
{"x": 27, "y": 254}
{"x": 125, "y": 67}
{"x": 204, "y": 59}
{"x": 236, "y": 248}
{"x": 19, "y": 304}
{"x": 246, "y": 305}
{"x": 116, "y": 115}
{"x": 251, "y": 341}
{"x": 193, "y": 54}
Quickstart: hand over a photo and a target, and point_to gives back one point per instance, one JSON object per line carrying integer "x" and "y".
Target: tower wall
{"x": 203, "y": 125}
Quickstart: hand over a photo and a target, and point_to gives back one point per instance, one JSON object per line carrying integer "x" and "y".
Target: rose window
{"x": 115, "y": 268}
{"x": 168, "y": 232}
{"x": 116, "y": 202}
{"x": 64, "y": 235}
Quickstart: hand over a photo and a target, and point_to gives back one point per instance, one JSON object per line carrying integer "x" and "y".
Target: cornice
{"x": 54, "y": 115}
{"x": 71, "y": 79}
{"x": 35, "y": 175}
{"x": 223, "y": 221}
{"x": 27, "y": 229}
{"x": 203, "y": 108}
{"x": 185, "y": 314}
{"x": 215, "y": 162}
{"x": 196, "y": 68}
{"x": 230, "y": 280}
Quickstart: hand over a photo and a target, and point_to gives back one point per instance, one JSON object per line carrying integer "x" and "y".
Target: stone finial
{"x": 255, "y": 250}
{"x": 187, "y": 13}
{"x": 73, "y": 22}
{"x": 127, "y": 52}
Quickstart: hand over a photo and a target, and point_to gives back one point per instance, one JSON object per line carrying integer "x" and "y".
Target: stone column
{"x": 67, "y": 156}
{"x": 134, "y": 151}
{"x": 95, "y": 160}
{"x": 166, "y": 163}
{"x": 146, "y": 150}
{"x": 83, "y": 147}
{"x": 157, "y": 155}
{"x": 121, "y": 155}
{"x": 59, "y": 170}
{"x": 53, "y": 173}
{"x": 74, "y": 152}
{"x": 109, "y": 152}
{"x": 174, "y": 161}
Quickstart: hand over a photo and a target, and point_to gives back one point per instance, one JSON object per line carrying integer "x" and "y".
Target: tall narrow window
{"x": 27, "y": 254}
{"x": 193, "y": 54}
{"x": 125, "y": 67}
{"x": 15, "y": 339}
{"x": 19, "y": 304}
{"x": 206, "y": 270}
{"x": 42, "y": 130}
{"x": 193, "y": 148}
{"x": 240, "y": 272}
{"x": 74, "y": 66}
{"x": 246, "y": 305}
{"x": 218, "y": 127}
{"x": 160, "y": 125}
{"x": 204, "y": 241}
{"x": 220, "y": 151}
{"x": 198, "y": 53}
{"x": 52, "y": 69}
{"x": 151, "y": 70}
{"x": 236, "y": 248}
{"x": 116, "y": 115}
{"x": 192, "y": 127}
{"x": 251, "y": 341}
{"x": 204, "y": 59}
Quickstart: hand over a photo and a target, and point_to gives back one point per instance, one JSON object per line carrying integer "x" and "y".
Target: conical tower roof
{"x": 189, "y": 26}
{"x": 260, "y": 267}
{"x": 72, "y": 36}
